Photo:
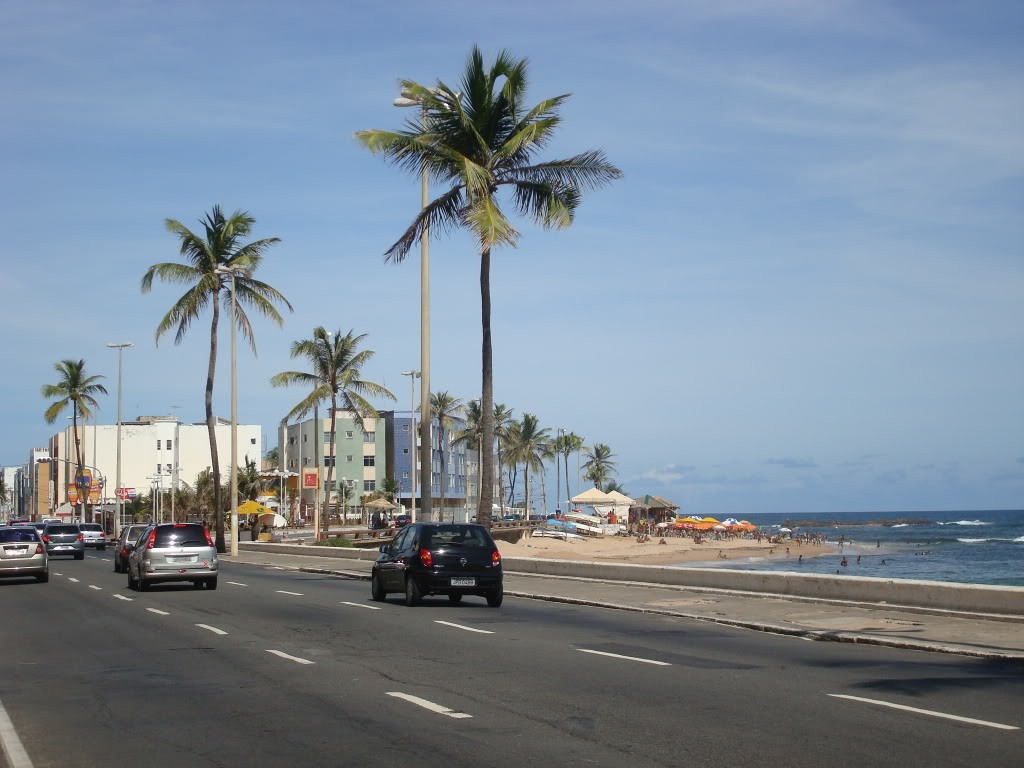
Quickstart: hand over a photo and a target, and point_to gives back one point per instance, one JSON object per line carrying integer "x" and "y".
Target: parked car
{"x": 453, "y": 559}
{"x": 400, "y": 521}
{"x": 22, "y": 553}
{"x": 123, "y": 547}
{"x": 173, "y": 552}
{"x": 93, "y": 535}
{"x": 64, "y": 539}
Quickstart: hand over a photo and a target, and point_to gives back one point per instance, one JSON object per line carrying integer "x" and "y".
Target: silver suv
{"x": 64, "y": 539}
{"x": 93, "y": 536}
{"x": 173, "y": 552}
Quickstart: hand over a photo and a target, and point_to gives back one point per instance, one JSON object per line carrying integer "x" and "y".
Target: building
{"x": 157, "y": 453}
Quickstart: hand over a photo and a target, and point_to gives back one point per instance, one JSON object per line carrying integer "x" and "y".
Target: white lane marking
{"x": 122, "y": 597}
{"x": 238, "y": 584}
{"x": 58, "y": 574}
{"x": 288, "y": 656}
{"x": 627, "y": 658}
{"x": 905, "y": 708}
{"x": 283, "y": 592}
{"x": 17, "y": 757}
{"x": 468, "y": 629}
{"x": 212, "y": 629}
{"x": 93, "y": 586}
{"x": 71, "y": 578}
{"x": 438, "y": 708}
{"x": 361, "y": 605}
{"x": 157, "y": 610}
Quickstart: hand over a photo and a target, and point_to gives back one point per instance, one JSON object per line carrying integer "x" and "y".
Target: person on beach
{"x": 844, "y": 562}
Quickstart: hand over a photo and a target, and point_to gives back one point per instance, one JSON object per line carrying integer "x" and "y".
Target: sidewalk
{"x": 920, "y": 629}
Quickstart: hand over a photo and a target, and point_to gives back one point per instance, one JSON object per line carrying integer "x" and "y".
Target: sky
{"x": 804, "y": 295}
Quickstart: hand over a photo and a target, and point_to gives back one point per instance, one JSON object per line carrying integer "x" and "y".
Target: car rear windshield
{"x": 91, "y": 527}
{"x": 183, "y": 535}
{"x": 470, "y": 537}
{"x": 8, "y": 535}
{"x": 50, "y": 529}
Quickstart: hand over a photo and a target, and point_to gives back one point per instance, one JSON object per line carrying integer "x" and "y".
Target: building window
{"x": 369, "y": 461}
{"x": 348, "y": 459}
{"x": 158, "y": 445}
{"x": 327, "y": 437}
{"x": 169, "y": 445}
{"x": 252, "y": 441}
{"x": 328, "y": 461}
{"x": 405, "y": 450}
{"x": 304, "y": 438}
{"x": 405, "y": 475}
{"x": 405, "y": 427}
{"x": 368, "y": 437}
{"x": 348, "y": 434}
{"x": 369, "y": 485}
{"x": 158, "y": 466}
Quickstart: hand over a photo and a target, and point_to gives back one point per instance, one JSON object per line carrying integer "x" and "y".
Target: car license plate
{"x": 463, "y": 582}
{"x": 62, "y": 546}
{"x": 181, "y": 559}
{"x": 16, "y": 550}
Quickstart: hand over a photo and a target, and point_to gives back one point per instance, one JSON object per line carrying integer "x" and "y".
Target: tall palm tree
{"x": 502, "y": 419}
{"x": 527, "y": 446}
{"x": 600, "y": 464}
{"x": 390, "y": 488}
{"x": 471, "y": 435}
{"x": 336, "y": 363}
{"x": 76, "y": 389}
{"x": 250, "y": 484}
{"x": 479, "y": 140}
{"x": 567, "y": 444}
{"x": 444, "y": 407}
{"x": 210, "y": 260}
{"x": 612, "y": 485}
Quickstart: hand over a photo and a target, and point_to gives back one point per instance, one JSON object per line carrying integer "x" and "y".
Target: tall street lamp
{"x": 413, "y": 375}
{"x": 408, "y": 99}
{"x": 120, "y": 347}
{"x": 234, "y": 272}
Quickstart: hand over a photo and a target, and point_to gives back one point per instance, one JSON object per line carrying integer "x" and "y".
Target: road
{"x": 295, "y": 669}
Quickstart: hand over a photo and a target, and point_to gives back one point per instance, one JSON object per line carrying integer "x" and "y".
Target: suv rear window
{"x": 180, "y": 535}
{"x": 91, "y": 527}
{"x": 8, "y": 535}
{"x": 468, "y": 536}
{"x": 62, "y": 529}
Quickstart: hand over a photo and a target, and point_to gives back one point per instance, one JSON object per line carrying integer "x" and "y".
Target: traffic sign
{"x": 126, "y": 493}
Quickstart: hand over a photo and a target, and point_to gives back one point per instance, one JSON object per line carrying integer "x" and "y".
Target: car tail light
{"x": 495, "y": 557}
{"x": 209, "y": 541}
{"x": 46, "y": 538}
{"x": 80, "y": 538}
{"x": 152, "y": 539}
{"x": 426, "y": 558}
{"x": 39, "y": 549}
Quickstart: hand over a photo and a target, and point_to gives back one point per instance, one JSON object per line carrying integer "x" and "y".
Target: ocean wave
{"x": 1018, "y": 540}
{"x": 900, "y": 525}
{"x": 966, "y": 522}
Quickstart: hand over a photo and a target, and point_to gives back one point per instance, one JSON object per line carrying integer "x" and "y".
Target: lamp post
{"x": 120, "y": 347}
{"x": 234, "y": 272}
{"x": 413, "y": 375}
{"x": 408, "y": 99}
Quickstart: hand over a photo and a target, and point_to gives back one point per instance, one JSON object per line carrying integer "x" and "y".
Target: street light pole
{"x": 413, "y": 375}
{"x": 234, "y": 272}
{"x": 117, "y": 479}
{"x": 407, "y": 99}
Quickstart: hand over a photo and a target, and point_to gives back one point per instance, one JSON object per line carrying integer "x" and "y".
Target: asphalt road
{"x": 295, "y": 669}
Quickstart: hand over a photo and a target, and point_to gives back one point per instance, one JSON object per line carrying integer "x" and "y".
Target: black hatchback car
{"x": 453, "y": 559}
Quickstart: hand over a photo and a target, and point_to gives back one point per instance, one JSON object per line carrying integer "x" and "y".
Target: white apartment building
{"x": 156, "y": 452}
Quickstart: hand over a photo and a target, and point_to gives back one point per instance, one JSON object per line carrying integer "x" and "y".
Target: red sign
{"x": 126, "y": 493}
{"x": 310, "y": 478}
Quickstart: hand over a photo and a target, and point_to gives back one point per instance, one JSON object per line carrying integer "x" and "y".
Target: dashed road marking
{"x": 284, "y": 592}
{"x": 212, "y": 629}
{"x": 122, "y": 597}
{"x": 158, "y": 611}
{"x": 429, "y": 705}
{"x": 93, "y": 586}
{"x": 71, "y": 578}
{"x": 627, "y": 658}
{"x": 288, "y": 656}
{"x": 468, "y": 629}
{"x": 238, "y": 584}
{"x": 361, "y": 605}
{"x": 944, "y": 715}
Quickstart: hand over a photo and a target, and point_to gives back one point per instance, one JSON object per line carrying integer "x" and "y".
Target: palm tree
{"x": 479, "y": 140}
{"x": 390, "y": 488}
{"x": 336, "y": 361}
{"x": 444, "y": 408}
{"x": 471, "y": 434}
{"x": 612, "y": 485}
{"x": 76, "y": 389}
{"x": 502, "y": 419}
{"x": 527, "y": 446}
{"x": 250, "y": 484}
{"x": 568, "y": 443}
{"x": 599, "y": 465}
{"x": 211, "y": 260}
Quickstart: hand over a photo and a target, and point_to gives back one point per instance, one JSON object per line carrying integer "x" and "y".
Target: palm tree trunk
{"x": 211, "y": 427}
{"x": 483, "y": 511}
{"x": 330, "y": 467}
{"x": 568, "y": 496}
{"x": 79, "y": 460}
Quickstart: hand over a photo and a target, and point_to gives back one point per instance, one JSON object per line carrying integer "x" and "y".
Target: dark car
{"x": 401, "y": 521}
{"x": 453, "y": 559}
{"x": 64, "y": 539}
{"x": 123, "y": 547}
{"x": 173, "y": 552}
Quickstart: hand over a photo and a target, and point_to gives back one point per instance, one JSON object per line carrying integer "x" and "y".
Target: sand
{"x": 676, "y": 550}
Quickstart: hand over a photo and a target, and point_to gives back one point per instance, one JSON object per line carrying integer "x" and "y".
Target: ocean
{"x": 980, "y": 547}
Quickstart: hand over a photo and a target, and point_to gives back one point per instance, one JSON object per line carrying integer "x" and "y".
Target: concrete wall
{"x": 975, "y": 598}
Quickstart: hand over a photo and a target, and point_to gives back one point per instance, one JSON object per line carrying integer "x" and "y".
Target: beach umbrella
{"x": 719, "y": 527}
{"x": 710, "y": 520}
{"x": 785, "y": 530}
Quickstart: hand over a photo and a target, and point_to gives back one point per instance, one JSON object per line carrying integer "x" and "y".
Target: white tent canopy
{"x": 595, "y": 498}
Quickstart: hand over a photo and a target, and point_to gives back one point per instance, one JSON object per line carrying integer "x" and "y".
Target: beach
{"x": 676, "y": 550}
